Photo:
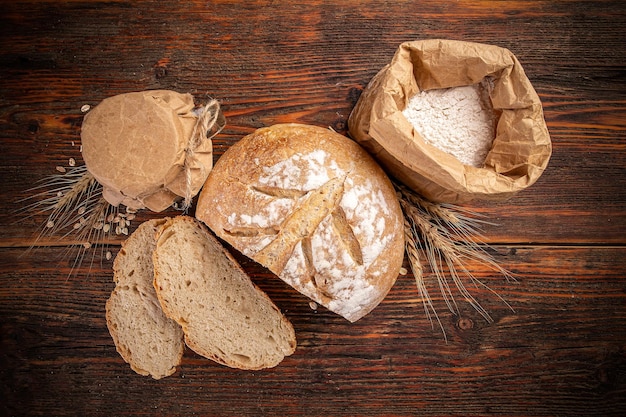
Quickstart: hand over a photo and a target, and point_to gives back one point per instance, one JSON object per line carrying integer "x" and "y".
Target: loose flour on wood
{"x": 458, "y": 120}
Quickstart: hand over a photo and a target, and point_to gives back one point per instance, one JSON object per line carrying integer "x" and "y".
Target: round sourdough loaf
{"x": 315, "y": 209}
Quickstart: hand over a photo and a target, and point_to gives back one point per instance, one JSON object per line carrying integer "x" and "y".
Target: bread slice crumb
{"x": 224, "y": 316}
{"x": 145, "y": 338}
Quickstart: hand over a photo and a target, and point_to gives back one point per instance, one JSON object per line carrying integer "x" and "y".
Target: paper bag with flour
{"x": 521, "y": 146}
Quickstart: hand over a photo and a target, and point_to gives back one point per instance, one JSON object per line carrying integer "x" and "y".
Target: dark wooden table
{"x": 563, "y": 351}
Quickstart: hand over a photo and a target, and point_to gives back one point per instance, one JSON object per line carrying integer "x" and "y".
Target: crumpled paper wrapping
{"x": 136, "y": 146}
{"x": 521, "y": 149}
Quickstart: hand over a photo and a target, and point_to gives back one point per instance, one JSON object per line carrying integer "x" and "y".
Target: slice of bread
{"x": 224, "y": 316}
{"x": 149, "y": 341}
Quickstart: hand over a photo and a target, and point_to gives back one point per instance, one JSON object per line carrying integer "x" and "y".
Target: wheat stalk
{"x": 412, "y": 252}
{"x": 449, "y": 237}
{"x": 73, "y": 205}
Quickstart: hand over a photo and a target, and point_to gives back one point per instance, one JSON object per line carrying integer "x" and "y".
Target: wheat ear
{"x": 448, "y": 236}
{"x": 73, "y": 205}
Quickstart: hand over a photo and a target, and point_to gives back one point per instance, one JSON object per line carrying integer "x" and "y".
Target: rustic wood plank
{"x": 560, "y": 353}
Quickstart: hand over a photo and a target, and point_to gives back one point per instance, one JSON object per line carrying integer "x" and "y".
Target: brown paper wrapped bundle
{"x": 149, "y": 148}
{"x": 520, "y": 150}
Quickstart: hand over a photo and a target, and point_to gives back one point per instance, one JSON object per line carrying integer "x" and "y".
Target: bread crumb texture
{"x": 225, "y": 317}
{"x": 315, "y": 209}
{"x": 145, "y": 338}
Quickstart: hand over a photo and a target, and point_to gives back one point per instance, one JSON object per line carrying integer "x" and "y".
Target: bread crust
{"x": 314, "y": 208}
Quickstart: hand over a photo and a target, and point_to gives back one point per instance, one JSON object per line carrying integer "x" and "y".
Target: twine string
{"x": 210, "y": 122}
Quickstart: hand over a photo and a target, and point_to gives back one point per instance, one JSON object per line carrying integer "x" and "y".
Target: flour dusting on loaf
{"x": 315, "y": 209}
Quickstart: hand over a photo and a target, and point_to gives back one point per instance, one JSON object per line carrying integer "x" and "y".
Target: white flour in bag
{"x": 458, "y": 120}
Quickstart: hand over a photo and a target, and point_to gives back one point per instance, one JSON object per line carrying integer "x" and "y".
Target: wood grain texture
{"x": 547, "y": 358}
{"x": 561, "y": 353}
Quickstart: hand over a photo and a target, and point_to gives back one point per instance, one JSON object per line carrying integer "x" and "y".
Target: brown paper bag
{"x": 140, "y": 146}
{"x": 520, "y": 150}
